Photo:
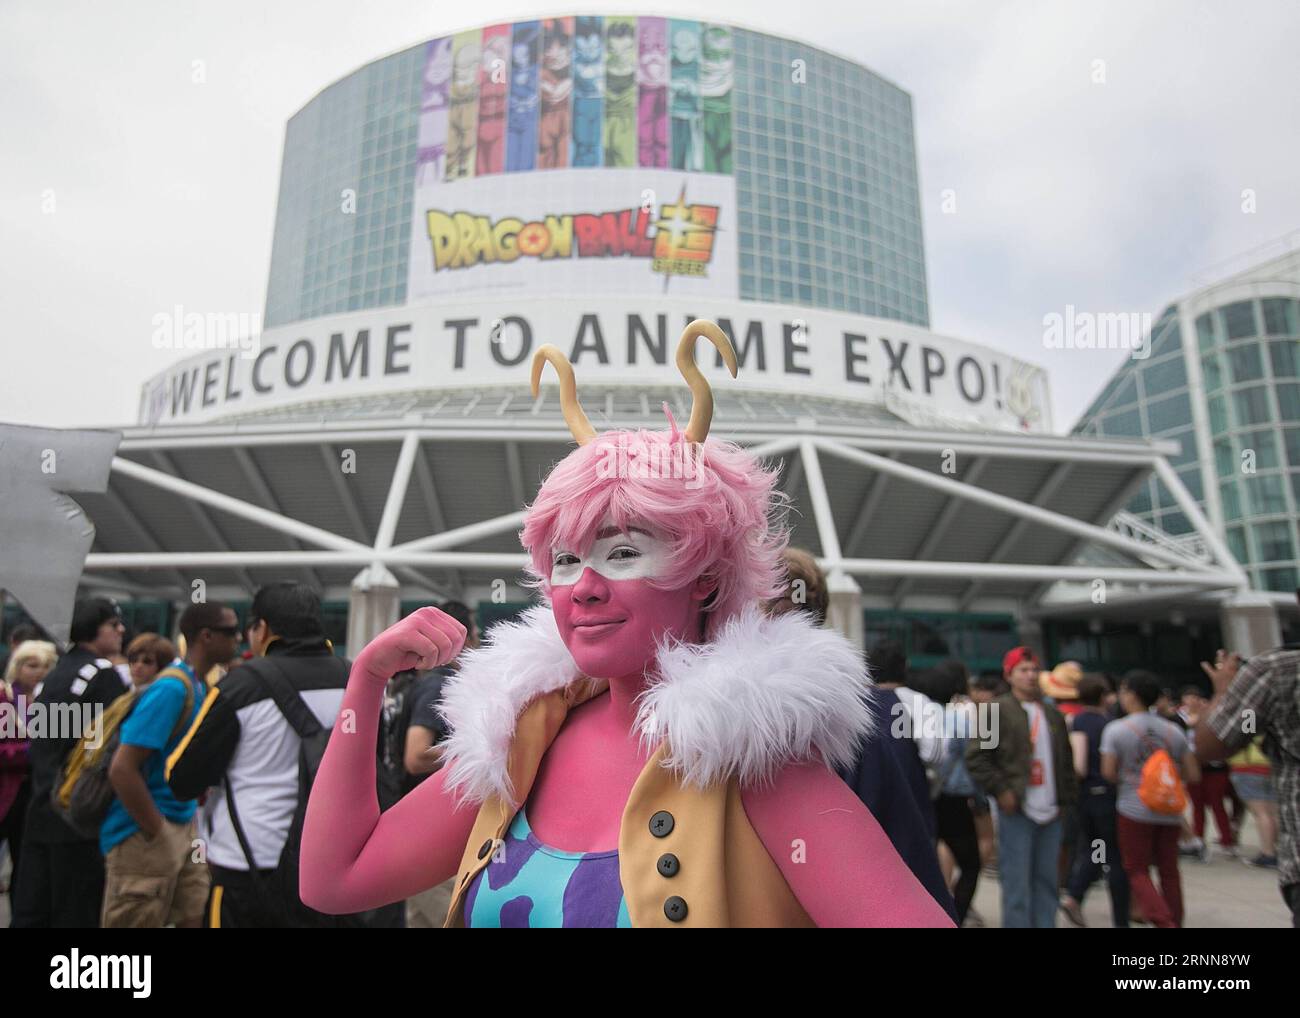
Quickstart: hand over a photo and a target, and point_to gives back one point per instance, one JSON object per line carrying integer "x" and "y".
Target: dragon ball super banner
{"x": 577, "y": 231}
{"x": 591, "y": 115}
{"x": 580, "y": 91}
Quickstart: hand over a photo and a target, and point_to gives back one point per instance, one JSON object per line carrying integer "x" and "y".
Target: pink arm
{"x": 835, "y": 857}
{"x": 353, "y": 858}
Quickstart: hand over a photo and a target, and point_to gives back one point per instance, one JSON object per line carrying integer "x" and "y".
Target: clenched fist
{"x": 425, "y": 639}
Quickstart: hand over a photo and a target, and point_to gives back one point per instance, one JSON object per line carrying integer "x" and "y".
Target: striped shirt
{"x": 1264, "y": 699}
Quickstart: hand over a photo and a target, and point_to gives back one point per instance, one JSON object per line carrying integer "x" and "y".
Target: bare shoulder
{"x": 801, "y": 789}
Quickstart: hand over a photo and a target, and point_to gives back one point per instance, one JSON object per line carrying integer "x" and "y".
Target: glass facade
{"x": 827, "y": 183}
{"x": 978, "y": 641}
{"x": 1249, "y": 353}
{"x": 343, "y": 221}
{"x": 823, "y": 154}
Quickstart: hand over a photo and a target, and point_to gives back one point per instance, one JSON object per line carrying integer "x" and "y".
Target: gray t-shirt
{"x": 1133, "y": 739}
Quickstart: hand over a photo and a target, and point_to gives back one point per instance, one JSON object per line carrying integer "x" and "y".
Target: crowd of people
{"x": 205, "y": 725}
{"x": 1054, "y": 780}
{"x": 1090, "y": 778}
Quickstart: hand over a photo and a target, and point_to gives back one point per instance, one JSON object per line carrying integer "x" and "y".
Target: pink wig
{"x": 715, "y": 503}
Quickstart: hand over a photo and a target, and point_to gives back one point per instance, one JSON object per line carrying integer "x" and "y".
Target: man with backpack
{"x": 61, "y": 882}
{"x": 1149, "y": 760}
{"x": 255, "y": 746}
{"x": 148, "y": 837}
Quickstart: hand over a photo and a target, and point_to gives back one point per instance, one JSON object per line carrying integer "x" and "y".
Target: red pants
{"x": 1140, "y": 847}
{"x": 1213, "y": 790}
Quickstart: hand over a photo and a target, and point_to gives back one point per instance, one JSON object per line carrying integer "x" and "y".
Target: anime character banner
{"x": 435, "y": 101}
{"x": 687, "y": 115}
{"x": 588, "y": 91}
{"x": 577, "y": 92}
{"x": 620, "y": 138}
{"x": 462, "y": 120}
{"x": 652, "y": 85}
{"x": 577, "y": 231}
{"x": 525, "y": 56}
{"x": 717, "y": 73}
{"x": 556, "y": 85}
{"x": 624, "y": 100}
{"x": 493, "y": 86}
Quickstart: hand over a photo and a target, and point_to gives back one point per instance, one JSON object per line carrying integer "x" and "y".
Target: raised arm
{"x": 354, "y": 858}
{"x": 835, "y": 857}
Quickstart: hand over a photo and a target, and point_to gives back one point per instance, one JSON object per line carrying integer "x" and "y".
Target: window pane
{"x": 1280, "y": 579}
{"x": 1237, "y": 543}
{"x": 1246, "y": 362}
{"x": 1264, "y": 446}
{"x": 1126, "y": 394}
{"x": 1187, "y": 453}
{"x": 1141, "y": 501}
{"x": 1212, "y": 370}
{"x": 1125, "y": 424}
{"x": 1285, "y": 355}
{"x": 1280, "y": 316}
{"x": 1225, "y": 461}
{"x": 1192, "y": 481}
{"x": 1288, "y": 401}
{"x": 1238, "y": 319}
{"x": 1274, "y": 541}
{"x": 1218, "y": 415}
{"x": 1167, "y": 337}
{"x": 1175, "y": 523}
{"x": 1163, "y": 377}
{"x": 1251, "y": 405}
{"x": 1175, "y": 412}
{"x": 1264, "y": 494}
{"x": 1205, "y": 331}
{"x": 1292, "y": 439}
{"x": 1231, "y": 500}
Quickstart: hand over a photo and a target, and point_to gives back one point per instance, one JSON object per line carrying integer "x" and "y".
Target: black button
{"x": 668, "y": 865}
{"x": 675, "y": 908}
{"x": 485, "y": 848}
{"x": 661, "y": 824}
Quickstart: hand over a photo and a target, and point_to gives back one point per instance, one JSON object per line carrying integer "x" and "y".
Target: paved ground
{"x": 1224, "y": 893}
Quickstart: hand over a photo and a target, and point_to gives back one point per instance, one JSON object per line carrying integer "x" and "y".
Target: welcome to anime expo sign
{"x": 925, "y": 377}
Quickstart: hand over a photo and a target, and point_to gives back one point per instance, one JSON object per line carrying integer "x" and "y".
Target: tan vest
{"x": 702, "y": 865}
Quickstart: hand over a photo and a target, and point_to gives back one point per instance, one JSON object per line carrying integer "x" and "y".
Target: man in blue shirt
{"x": 154, "y": 876}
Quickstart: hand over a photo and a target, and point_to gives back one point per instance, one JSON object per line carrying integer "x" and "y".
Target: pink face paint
{"x": 612, "y": 626}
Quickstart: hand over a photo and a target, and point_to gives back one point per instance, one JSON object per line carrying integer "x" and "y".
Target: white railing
{"x": 1191, "y": 546}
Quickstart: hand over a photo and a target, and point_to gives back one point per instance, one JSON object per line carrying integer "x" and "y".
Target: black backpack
{"x": 313, "y": 738}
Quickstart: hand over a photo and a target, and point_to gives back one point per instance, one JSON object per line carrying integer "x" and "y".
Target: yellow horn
{"x": 702, "y": 403}
{"x": 574, "y": 417}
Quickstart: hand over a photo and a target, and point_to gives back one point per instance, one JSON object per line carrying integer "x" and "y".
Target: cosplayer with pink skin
{"x": 653, "y": 578}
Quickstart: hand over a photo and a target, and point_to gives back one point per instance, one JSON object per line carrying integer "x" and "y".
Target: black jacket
{"x": 1005, "y": 766}
{"x": 78, "y": 680}
{"x": 240, "y": 735}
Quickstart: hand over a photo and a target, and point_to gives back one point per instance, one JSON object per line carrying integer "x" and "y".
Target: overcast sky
{"x": 1111, "y": 196}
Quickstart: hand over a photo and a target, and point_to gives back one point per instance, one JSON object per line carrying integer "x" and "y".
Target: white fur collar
{"x": 764, "y": 693}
